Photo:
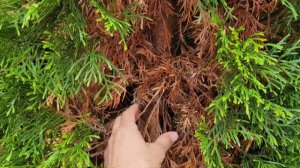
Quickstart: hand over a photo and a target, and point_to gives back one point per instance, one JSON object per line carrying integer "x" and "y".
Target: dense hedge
{"x": 224, "y": 74}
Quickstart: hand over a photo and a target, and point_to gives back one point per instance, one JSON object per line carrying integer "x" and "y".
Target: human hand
{"x": 127, "y": 148}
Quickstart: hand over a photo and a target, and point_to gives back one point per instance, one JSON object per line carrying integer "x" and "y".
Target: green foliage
{"x": 208, "y": 5}
{"x": 111, "y": 23}
{"x": 70, "y": 151}
{"x": 288, "y": 22}
{"x": 211, "y": 7}
{"x": 25, "y": 132}
{"x": 45, "y": 50}
{"x": 258, "y": 104}
{"x": 22, "y": 131}
{"x": 290, "y": 4}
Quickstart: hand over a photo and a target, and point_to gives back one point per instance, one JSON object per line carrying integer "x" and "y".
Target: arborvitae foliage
{"x": 224, "y": 74}
{"x": 256, "y": 114}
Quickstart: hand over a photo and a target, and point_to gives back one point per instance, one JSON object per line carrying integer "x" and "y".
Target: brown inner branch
{"x": 170, "y": 69}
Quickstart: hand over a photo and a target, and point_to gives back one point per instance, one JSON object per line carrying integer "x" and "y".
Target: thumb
{"x": 166, "y": 140}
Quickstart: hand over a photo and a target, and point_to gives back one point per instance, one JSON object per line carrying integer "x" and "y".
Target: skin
{"x": 128, "y": 149}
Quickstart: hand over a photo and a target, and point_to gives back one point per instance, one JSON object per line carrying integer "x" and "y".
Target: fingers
{"x": 166, "y": 140}
{"x": 129, "y": 115}
{"x": 116, "y": 124}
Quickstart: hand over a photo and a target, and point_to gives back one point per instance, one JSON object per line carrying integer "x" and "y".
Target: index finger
{"x": 128, "y": 116}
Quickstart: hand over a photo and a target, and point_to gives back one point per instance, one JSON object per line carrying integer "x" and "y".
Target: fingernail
{"x": 174, "y": 136}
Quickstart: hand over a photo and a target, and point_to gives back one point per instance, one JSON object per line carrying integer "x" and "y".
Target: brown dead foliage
{"x": 249, "y": 12}
{"x": 169, "y": 68}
